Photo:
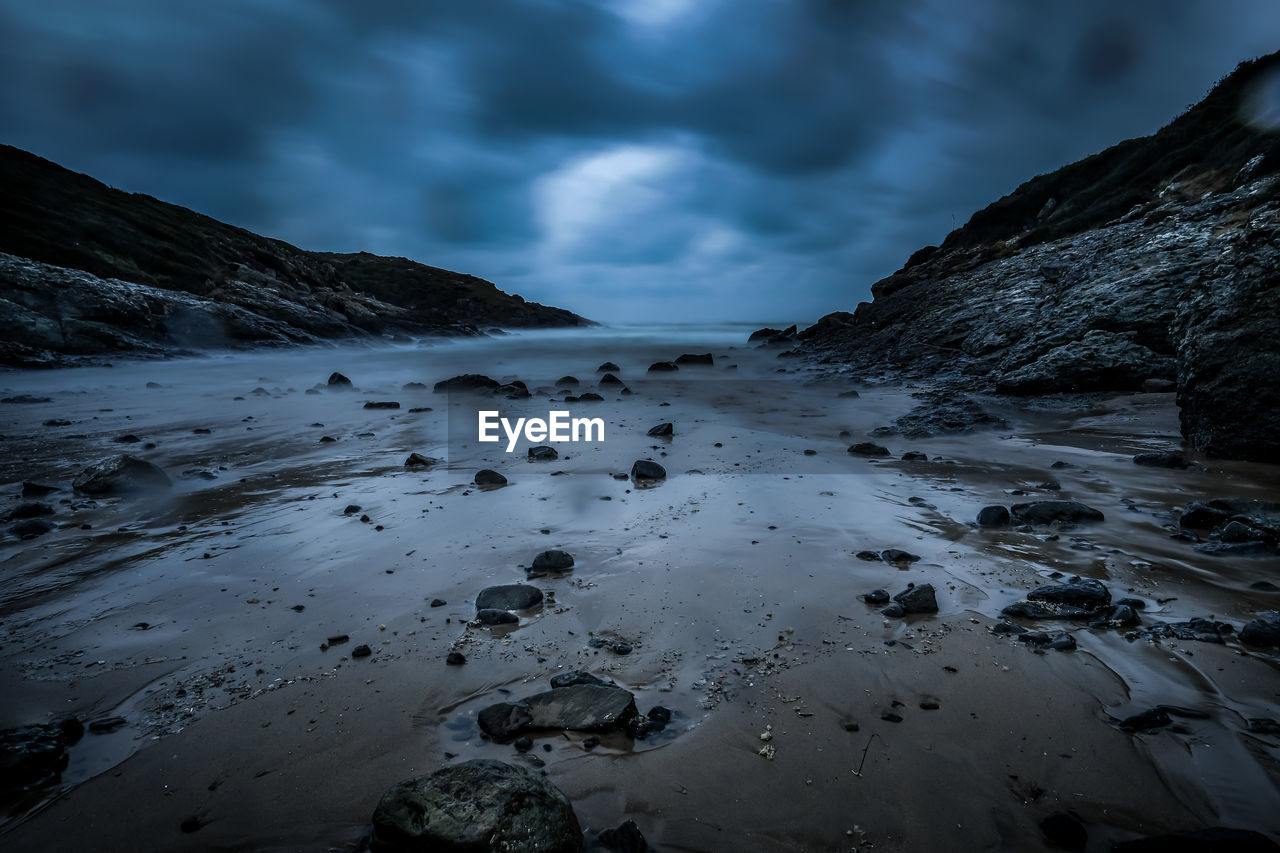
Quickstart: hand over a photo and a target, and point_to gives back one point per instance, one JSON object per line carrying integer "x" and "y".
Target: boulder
{"x": 338, "y": 382}
{"x": 610, "y": 381}
{"x": 608, "y": 367}
{"x": 918, "y": 599}
{"x": 867, "y": 448}
{"x": 543, "y": 453}
{"x": 1162, "y": 459}
{"x": 663, "y": 367}
{"x": 1054, "y": 512}
{"x": 665, "y": 430}
{"x": 580, "y": 707}
{"x": 644, "y": 469}
{"x": 417, "y": 460}
{"x": 553, "y": 561}
{"x": 567, "y": 382}
{"x": 120, "y": 475}
{"x": 512, "y": 596}
{"x": 479, "y": 805}
{"x": 488, "y": 477}
{"x": 705, "y": 360}
{"x": 993, "y": 516}
{"x": 467, "y": 382}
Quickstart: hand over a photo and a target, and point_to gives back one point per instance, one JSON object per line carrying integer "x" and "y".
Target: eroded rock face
{"x": 476, "y": 806}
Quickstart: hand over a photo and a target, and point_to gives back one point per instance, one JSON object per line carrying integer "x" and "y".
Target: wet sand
{"x": 734, "y": 580}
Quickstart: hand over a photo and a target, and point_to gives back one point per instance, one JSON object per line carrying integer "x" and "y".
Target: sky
{"x": 632, "y": 160}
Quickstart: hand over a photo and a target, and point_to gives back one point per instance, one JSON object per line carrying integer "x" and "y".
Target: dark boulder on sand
{"x": 867, "y": 448}
{"x": 918, "y": 599}
{"x": 607, "y": 367}
{"x": 644, "y": 469}
{"x": 663, "y": 367}
{"x": 1054, "y": 512}
{"x": 665, "y": 430}
{"x": 543, "y": 453}
{"x": 417, "y": 460}
{"x": 1077, "y": 598}
{"x": 33, "y": 757}
{"x": 609, "y": 380}
{"x": 489, "y": 477}
{"x": 338, "y": 382}
{"x": 993, "y": 516}
{"x": 119, "y": 475}
{"x": 467, "y": 382}
{"x": 581, "y": 707}
{"x": 553, "y": 561}
{"x": 479, "y": 805}
{"x": 567, "y": 382}
{"x": 705, "y": 359}
{"x": 512, "y": 596}
{"x": 1162, "y": 459}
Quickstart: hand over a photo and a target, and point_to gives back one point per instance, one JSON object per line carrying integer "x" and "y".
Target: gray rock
{"x": 1054, "y": 512}
{"x": 492, "y": 616}
{"x": 704, "y": 360}
{"x": 480, "y": 805}
{"x": 896, "y": 555}
{"x": 543, "y": 453}
{"x": 663, "y": 367}
{"x": 993, "y": 516}
{"x": 918, "y": 599}
{"x": 644, "y": 469}
{"x": 487, "y": 477}
{"x": 580, "y": 707}
{"x": 611, "y": 381}
{"x": 512, "y": 596}
{"x": 1085, "y": 593}
{"x": 665, "y": 430}
{"x": 417, "y": 460}
{"x": 120, "y": 475}
{"x": 569, "y": 679}
{"x": 867, "y": 448}
{"x": 467, "y": 382}
{"x": 553, "y": 561}
{"x": 1163, "y": 459}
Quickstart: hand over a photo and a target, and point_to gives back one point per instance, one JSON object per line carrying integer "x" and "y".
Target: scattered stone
{"x": 438, "y": 602}
{"x": 891, "y": 717}
{"x": 643, "y": 469}
{"x": 626, "y": 838}
{"x": 467, "y": 382}
{"x": 609, "y": 380}
{"x": 384, "y": 404}
{"x": 120, "y": 475}
{"x": 455, "y": 659}
{"x": 553, "y": 561}
{"x": 1064, "y": 829}
{"x": 663, "y": 367}
{"x": 1164, "y": 459}
{"x": 704, "y": 360}
{"x": 512, "y": 596}
{"x": 361, "y": 651}
{"x": 1264, "y": 631}
{"x": 487, "y": 477}
{"x": 567, "y": 382}
{"x": 1117, "y": 616}
{"x": 34, "y": 509}
{"x": 665, "y": 430}
{"x": 34, "y": 757}
{"x": 867, "y": 448}
{"x": 608, "y": 366}
{"x": 36, "y": 490}
{"x": 918, "y": 599}
{"x": 993, "y": 516}
{"x": 1054, "y": 512}
{"x": 915, "y": 456}
{"x": 876, "y": 596}
{"x": 940, "y": 414}
{"x": 27, "y": 399}
{"x": 869, "y": 556}
{"x": 31, "y": 528}
{"x": 569, "y": 679}
{"x": 1003, "y": 627}
{"x": 489, "y": 616}
{"x": 894, "y": 611}
{"x": 338, "y": 382}
{"x": 589, "y": 397}
{"x": 1063, "y": 643}
{"x": 581, "y": 707}
{"x": 543, "y": 453}
{"x": 417, "y": 460}
{"x": 897, "y": 556}
{"x": 474, "y": 806}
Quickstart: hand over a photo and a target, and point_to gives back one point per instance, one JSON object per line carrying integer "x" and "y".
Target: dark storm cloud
{"x": 629, "y": 159}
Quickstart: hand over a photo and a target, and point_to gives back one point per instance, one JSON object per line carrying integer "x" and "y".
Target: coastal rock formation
{"x": 1150, "y": 262}
{"x": 89, "y": 270}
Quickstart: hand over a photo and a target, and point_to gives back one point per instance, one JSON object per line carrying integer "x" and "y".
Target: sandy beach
{"x": 802, "y": 717}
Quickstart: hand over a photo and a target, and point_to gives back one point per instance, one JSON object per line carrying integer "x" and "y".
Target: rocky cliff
{"x": 90, "y": 270}
{"x": 1154, "y": 264}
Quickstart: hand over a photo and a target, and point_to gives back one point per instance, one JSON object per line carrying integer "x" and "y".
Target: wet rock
{"x": 581, "y": 707}
{"x": 1235, "y": 532}
{"x": 417, "y": 460}
{"x": 590, "y": 397}
{"x": 1197, "y": 630}
{"x": 626, "y": 838}
{"x": 567, "y": 382}
{"x": 513, "y": 390}
{"x": 1264, "y": 631}
{"x": 663, "y": 367}
{"x": 414, "y": 386}
{"x": 1164, "y": 459}
{"x": 33, "y": 509}
{"x": 36, "y": 490}
{"x": 512, "y": 596}
{"x": 867, "y": 448}
{"x": 543, "y": 453}
{"x": 361, "y": 651}
{"x": 608, "y": 367}
{"x": 1063, "y": 643}
{"x": 705, "y": 360}
{"x": 763, "y": 335}
{"x": 918, "y": 599}
{"x": 1003, "y": 627}
{"x": 455, "y": 659}
{"x": 1100, "y": 360}
{"x": 1119, "y": 616}
{"x": 869, "y": 556}
{"x": 467, "y": 382}
{"x": 569, "y": 679}
{"x": 897, "y": 556}
{"x": 1152, "y": 719}
{"x": 438, "y": 602}
{"x": 31, "y": 528}
{"x": 1212, "y": 840}
{"x": 479, "y": 805}
{"x": 553, "y": 561}
{"x": 876, "y": 596}
{"x": 338, "y": 382}
{"x": 1235, "y": 549}
{"x": 26, "y": 399}
{"x": 851, "y": 394}
{"x": 915, "y": 456}
{"x": 1054, "y": 512}
{"x": 894, "y": 611}
{"x": 1264, "y": 726}
{"x": 33, "y": 757}
{"x": 1085, "y": 593}
{"x": 382, "y": 404}
{"x": 120, "y": 475}
{"x": 1064, "y": 830}
{"x": 941, "y": 414}
{"x": 611, "y": 381}
{"x": 993, "y": 516}
{"x": 351, "y": 509}
{"x": 665, "y": 430}
{"x": 491, "y": 616}
{"x": 487, "y": 477}
{"x": 644, "y": 469}
{"x": 1200, "y": 516}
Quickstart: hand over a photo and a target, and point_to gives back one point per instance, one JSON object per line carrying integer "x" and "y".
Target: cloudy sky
{"x": 632, "y": 160}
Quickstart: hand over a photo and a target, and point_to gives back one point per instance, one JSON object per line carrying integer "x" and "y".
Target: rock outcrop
{"x": 1153, "y": 261}
{"x": 88, "y": 270}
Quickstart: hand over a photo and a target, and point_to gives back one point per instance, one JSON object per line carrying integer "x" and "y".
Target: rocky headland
{"x": 87, "y": 271}
{"x": 1147, "y": 267}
